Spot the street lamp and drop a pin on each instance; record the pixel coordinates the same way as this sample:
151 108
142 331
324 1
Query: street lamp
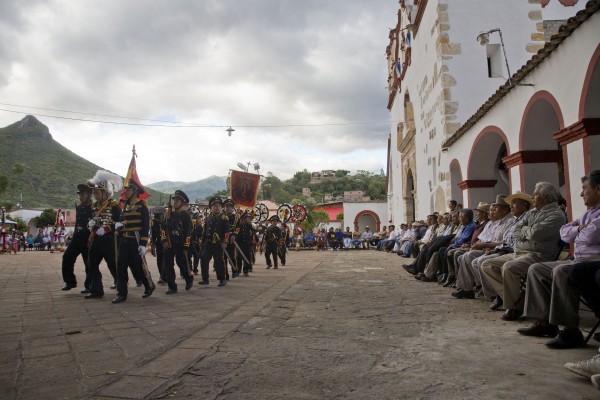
484 38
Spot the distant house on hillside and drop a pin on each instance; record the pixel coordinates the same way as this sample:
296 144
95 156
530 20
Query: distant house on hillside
356 195
319 176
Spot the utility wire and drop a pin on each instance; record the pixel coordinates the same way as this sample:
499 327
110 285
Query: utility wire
169 124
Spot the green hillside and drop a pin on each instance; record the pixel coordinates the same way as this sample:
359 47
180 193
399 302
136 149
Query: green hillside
52 172
197 190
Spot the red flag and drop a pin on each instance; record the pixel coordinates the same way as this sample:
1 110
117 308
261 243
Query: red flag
132 175
244 188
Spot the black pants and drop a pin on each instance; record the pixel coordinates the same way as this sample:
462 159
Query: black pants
214 252
425 256
282 252
77 246
232 261
160 260
271 248
129 257
585 277
103 248
180 256
194 258
241 262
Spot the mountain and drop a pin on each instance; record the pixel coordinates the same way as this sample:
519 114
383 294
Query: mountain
197 190
52 172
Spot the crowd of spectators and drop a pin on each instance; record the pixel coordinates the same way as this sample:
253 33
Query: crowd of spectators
520 253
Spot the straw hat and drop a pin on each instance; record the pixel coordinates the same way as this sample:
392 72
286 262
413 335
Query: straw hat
519 195
483 206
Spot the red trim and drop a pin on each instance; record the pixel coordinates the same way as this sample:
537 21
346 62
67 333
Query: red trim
567 181
368 212
541 95
587 162
531 157
487 130
477 183
588 81
579 130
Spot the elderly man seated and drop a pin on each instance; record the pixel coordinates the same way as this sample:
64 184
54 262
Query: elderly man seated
392 236
536 239
468 280
551 298
366 237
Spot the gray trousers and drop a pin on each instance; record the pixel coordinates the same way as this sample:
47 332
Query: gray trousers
488 290
468 277
453 267
549 295
504 274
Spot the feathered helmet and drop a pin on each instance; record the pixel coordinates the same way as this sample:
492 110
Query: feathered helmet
107 181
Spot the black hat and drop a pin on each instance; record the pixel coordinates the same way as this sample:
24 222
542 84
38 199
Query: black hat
83 188
274 218
230 202
182 196
134 185
247 213
158 211
215 200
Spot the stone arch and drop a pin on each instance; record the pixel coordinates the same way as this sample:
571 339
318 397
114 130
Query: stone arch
540 156
409 197
367 218
455 179
487 176
440 200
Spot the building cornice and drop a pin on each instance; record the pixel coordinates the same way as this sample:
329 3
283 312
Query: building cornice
532 157
579 130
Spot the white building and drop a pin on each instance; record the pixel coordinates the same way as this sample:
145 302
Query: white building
439 77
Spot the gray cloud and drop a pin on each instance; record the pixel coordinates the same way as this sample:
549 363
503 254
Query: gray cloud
228 62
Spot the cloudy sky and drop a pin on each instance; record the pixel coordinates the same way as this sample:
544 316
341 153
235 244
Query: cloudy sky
260 66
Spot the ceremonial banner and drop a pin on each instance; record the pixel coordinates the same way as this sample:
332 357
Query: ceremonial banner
132 174
244 188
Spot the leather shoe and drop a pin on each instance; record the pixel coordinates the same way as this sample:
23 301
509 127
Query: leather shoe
189 284
512 314
409 269
442 278
68 287
567 339
540 330
93 296
119 299
222 283
148 292
419 276
85 291
425 278
449 281
203 283
464 294
497 303
171 291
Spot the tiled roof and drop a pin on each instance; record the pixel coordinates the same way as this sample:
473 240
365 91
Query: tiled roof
564 32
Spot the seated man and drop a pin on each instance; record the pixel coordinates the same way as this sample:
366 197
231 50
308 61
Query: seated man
468 278
536 239
428 235
366 237
356 241
465 235
406 233
379 236
383 243
551 297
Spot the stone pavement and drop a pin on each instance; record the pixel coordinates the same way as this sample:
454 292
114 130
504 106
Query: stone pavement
348 325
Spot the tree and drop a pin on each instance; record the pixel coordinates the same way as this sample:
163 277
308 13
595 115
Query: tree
340 216
46 218
313 218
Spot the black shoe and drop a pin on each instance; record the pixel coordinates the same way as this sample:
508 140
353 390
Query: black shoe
512 314
85 291
442 279
283 264
222 283
189 284
139 284
449 281
497 303
161 281
464 294
540 330
246 274
113 287
119 299
148 292
409 269
567 339
171 291
424 278
93 296
268 266
419 276
203 283
68 287
195 272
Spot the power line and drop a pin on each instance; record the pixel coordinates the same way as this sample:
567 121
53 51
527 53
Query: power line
169 124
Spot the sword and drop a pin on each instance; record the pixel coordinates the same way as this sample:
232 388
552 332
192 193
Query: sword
237 246
144 263
233 267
